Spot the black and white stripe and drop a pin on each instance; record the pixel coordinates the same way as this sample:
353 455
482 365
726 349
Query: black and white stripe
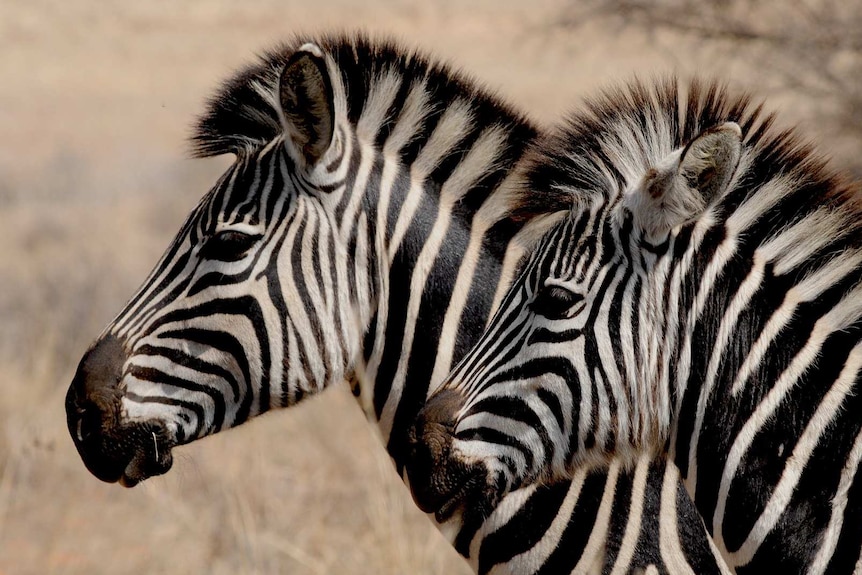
703 299
373 216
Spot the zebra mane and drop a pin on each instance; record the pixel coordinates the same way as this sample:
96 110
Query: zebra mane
242 116
615 138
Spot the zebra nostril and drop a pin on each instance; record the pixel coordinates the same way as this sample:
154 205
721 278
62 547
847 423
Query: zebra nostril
80 430
89 422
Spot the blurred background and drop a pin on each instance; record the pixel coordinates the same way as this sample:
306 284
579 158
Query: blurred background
96 100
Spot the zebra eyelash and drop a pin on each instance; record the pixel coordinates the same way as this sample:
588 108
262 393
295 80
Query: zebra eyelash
228 245
556 301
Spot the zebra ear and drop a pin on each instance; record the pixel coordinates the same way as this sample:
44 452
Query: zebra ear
709 161
306 101
689 181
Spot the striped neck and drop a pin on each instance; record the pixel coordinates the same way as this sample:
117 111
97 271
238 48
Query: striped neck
442 231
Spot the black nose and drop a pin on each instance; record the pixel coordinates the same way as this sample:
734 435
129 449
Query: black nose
93 408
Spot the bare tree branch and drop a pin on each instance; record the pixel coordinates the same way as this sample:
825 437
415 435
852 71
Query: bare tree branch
811 48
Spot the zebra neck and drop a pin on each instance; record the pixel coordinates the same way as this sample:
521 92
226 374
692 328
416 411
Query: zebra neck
445 258
439 182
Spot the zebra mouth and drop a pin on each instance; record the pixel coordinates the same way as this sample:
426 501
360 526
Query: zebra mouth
470 487
125 454
147 461
441 482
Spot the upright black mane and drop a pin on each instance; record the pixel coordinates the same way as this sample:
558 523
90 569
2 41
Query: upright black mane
624 131
242 115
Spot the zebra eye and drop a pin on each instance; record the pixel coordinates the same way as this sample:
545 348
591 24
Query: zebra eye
555 302
228 246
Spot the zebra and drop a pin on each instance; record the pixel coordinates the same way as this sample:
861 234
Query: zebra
372 219
701 301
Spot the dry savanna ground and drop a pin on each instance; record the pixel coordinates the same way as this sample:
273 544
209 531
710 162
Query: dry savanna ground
95 102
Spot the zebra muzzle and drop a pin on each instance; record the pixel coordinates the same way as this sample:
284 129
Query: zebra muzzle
442 482
124 453
112 450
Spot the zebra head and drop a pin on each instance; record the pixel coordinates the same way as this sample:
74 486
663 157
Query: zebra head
556 380
243 311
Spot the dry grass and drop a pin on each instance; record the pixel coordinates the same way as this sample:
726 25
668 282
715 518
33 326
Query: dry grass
94 105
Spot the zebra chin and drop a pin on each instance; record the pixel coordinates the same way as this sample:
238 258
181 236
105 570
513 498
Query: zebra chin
111 449
441 481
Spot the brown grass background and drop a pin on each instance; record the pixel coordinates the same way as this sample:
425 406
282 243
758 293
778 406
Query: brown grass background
96 99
